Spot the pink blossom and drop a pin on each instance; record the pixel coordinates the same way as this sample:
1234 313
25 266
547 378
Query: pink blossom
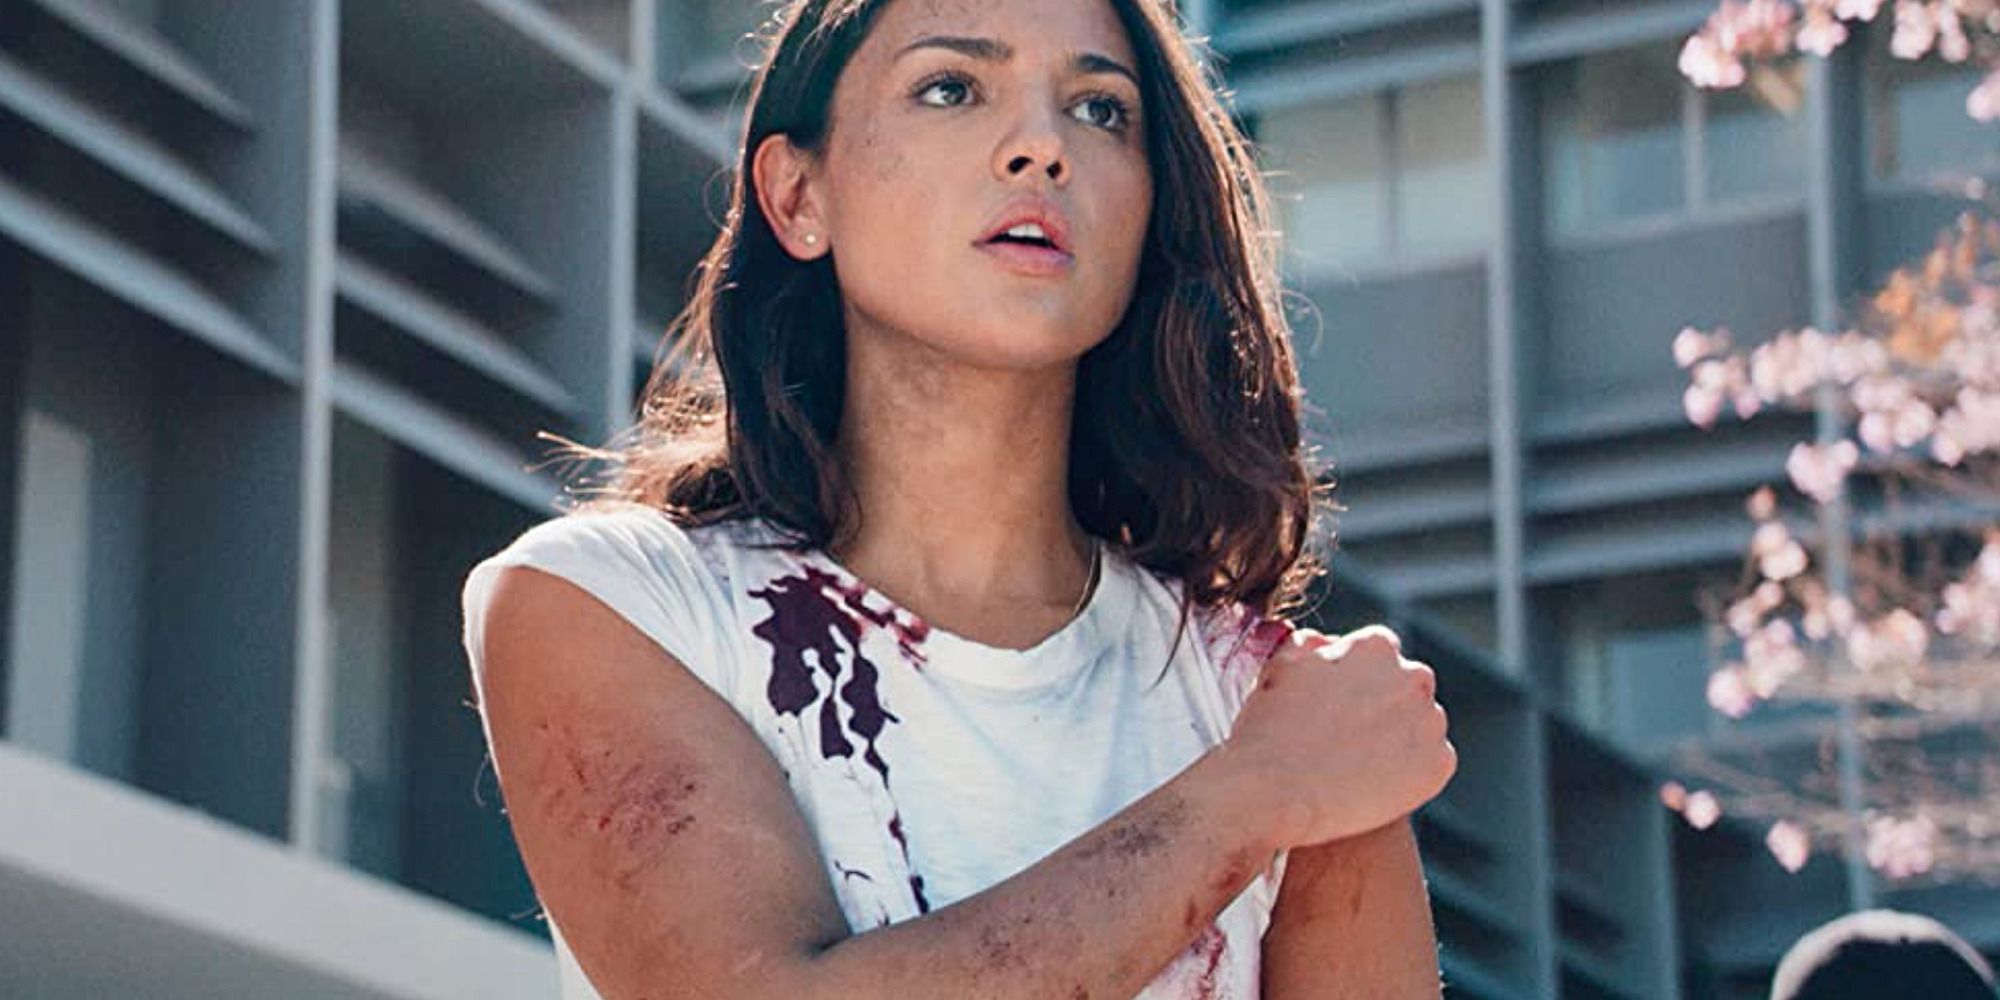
1702 406
1746 401
1892 415
1729 693
1971 426
1769 537
1912 422
1824 617
1916 30
1946 448
1972 604
1776 635
1952 45
1854 354
1901 848
1792 363
1857 10
1983 104
1783 563
1763 504
1674 796
1880 392
1692 345
1702 810
1814 623
1896 639
1715 380
1717 374
1775 369
1821 34
1979 331
1818 471
1756 28
1772 657
1878 432
1745 616
1788 843
1972 612
1706 63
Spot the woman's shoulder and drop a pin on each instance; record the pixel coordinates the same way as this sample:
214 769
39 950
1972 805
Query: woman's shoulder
630 553
641 529
665 578
1233 634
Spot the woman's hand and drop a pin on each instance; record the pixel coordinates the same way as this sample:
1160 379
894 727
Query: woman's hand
1341 736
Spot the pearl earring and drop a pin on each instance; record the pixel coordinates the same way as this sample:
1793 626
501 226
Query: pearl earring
812 239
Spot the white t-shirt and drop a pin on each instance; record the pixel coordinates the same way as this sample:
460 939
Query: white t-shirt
928 766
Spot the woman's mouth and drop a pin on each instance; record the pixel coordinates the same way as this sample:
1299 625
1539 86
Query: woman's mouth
1028 256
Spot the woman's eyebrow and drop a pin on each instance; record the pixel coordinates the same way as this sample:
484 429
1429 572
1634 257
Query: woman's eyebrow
995 50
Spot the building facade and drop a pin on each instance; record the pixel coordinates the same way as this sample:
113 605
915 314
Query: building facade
287 290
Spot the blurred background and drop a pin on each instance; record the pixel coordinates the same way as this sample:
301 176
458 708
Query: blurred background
287 288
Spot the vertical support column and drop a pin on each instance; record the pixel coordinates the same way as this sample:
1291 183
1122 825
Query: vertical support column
623 231
312 691
1538 854
644 31
1834 255
13 412
1505 273
1513 225
1660 903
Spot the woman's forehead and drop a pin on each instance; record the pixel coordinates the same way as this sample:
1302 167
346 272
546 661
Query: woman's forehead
1062 26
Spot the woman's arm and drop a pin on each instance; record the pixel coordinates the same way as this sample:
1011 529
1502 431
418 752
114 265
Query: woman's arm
663 840
1353 920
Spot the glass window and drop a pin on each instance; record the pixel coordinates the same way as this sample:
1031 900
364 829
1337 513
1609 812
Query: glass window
1329 173
1656 682
1920 127
1614 122
1443 194
1754 135
49 647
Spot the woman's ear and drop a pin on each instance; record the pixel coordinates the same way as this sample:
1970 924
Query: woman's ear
782 179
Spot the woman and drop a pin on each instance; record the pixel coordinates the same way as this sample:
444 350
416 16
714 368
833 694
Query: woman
913 653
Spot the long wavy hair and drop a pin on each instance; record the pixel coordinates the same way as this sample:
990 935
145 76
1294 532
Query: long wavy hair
1186 451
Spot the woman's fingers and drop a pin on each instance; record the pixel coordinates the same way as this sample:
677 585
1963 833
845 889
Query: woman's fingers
1426 677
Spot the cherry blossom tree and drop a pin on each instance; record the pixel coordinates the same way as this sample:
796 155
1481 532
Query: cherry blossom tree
1902 643
1747 32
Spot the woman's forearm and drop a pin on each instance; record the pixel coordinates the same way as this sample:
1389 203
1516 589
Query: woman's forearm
1098 918
1353 922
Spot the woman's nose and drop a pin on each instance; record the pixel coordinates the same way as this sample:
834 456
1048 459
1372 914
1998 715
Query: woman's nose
1036 143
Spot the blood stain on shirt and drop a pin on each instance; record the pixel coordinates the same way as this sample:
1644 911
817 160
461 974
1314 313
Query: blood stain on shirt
805 617
1207 949
813 611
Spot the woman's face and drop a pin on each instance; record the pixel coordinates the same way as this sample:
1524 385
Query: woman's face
933 145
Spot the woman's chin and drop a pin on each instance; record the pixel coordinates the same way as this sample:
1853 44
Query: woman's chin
1027 341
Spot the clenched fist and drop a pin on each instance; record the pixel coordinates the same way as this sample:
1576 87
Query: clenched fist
1341 736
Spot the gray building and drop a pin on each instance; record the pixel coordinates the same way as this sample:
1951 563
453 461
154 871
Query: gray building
287 289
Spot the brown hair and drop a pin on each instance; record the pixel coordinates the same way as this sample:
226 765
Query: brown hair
1186 451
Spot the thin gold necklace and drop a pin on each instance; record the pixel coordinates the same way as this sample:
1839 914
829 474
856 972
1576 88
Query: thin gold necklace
1090 585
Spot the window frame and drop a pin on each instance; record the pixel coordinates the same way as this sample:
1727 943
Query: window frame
1395 259
1699 209
1877 117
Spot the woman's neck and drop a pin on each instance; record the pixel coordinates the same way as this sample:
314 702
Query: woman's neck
962 476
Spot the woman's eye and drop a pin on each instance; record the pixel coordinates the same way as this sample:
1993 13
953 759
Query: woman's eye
1117 112
1102 110
948 85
